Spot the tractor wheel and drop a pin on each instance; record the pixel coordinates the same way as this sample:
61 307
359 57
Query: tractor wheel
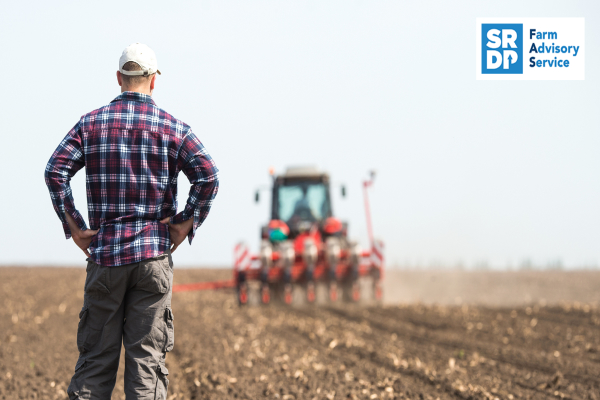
377 291
351 292
355 292
333 292
345 291
287 294
310 292
242 294
265 294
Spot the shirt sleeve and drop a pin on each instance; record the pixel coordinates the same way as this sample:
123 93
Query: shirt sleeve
67 159
202 173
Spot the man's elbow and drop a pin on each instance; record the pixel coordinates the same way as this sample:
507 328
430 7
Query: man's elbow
47 175
51 175
215 182
212 185
208 180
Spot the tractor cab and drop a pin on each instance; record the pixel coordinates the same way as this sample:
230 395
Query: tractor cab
301 199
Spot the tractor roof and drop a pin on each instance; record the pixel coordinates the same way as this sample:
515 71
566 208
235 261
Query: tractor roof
309 171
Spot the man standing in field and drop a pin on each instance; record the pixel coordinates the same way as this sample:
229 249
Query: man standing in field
132 152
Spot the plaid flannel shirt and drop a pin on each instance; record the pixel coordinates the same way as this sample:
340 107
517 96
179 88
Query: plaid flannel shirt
133 152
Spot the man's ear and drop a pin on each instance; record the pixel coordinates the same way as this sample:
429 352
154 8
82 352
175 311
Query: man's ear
152 82
119 78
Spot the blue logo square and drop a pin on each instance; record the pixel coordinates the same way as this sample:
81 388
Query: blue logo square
501 48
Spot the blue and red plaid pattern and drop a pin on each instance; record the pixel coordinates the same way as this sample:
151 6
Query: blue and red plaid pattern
132 152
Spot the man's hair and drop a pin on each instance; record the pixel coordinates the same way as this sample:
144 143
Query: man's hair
136 79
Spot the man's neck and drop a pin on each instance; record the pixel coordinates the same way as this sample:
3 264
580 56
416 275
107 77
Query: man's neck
145 91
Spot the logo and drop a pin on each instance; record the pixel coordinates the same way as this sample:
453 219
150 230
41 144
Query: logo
530 49
501 48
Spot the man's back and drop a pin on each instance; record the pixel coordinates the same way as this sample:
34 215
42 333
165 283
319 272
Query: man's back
133 152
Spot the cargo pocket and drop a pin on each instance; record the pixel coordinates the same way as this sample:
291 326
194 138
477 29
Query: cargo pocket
87 336
170 342
82 330
162 383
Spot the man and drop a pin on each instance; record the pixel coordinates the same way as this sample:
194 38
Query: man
133 152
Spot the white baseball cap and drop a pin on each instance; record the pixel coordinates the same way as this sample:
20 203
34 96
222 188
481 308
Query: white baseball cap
143 56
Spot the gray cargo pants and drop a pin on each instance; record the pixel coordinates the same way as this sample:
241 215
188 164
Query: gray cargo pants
131 303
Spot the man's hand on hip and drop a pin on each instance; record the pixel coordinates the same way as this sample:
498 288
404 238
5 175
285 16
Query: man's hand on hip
178 232
81 238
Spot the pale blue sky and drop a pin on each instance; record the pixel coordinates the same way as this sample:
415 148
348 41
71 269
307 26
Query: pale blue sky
469 171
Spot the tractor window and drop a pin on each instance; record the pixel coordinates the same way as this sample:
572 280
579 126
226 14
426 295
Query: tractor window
303 202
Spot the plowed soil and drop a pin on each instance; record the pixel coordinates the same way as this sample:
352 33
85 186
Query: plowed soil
333 351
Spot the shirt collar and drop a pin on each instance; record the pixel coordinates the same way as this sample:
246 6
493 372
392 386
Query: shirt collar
134 96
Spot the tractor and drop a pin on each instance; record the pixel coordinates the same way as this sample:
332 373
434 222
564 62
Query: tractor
304 244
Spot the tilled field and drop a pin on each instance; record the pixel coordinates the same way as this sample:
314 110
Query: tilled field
324 352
